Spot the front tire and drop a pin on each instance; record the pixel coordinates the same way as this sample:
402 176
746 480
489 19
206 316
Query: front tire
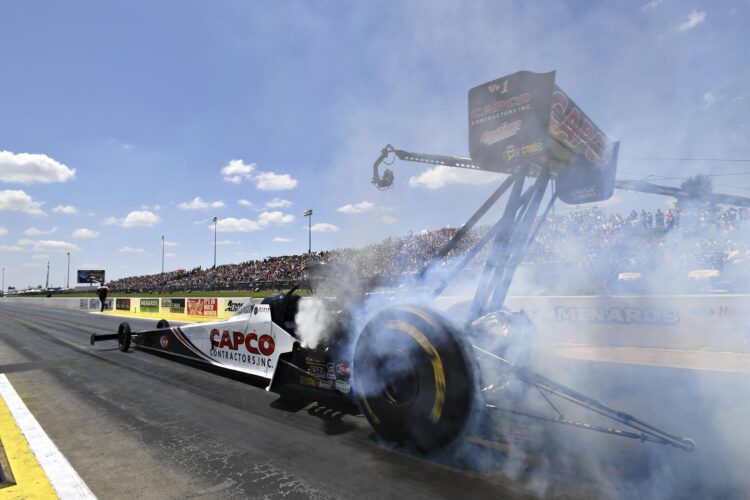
414 379
124 336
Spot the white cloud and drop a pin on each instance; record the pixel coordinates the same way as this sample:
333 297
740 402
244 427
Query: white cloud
232 225
170 254
3 231
651 5
32 231
154 208
237 170
279 239
33 265
279 203
356 208
131 250
40 257
323 227
11 248
275 217
136 218
441 176
389 219
225 242
84 233
691 21
708 100
27 168
270 181
246 203
65 209
199 204
26 242
19 201
55 246
168 243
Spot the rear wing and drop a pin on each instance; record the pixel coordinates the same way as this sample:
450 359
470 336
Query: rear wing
526 119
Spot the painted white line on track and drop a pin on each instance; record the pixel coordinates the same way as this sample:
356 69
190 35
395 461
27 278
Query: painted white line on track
63 477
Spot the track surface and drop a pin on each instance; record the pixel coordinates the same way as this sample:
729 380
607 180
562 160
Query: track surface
141 426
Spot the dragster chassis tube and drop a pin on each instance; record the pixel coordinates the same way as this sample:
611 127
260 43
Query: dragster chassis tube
647 431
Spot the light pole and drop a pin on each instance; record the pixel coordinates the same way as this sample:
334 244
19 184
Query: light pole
67 276
308 214
46 286
2 290
215 220
162 254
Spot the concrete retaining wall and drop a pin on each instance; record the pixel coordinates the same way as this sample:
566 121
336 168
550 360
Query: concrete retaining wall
693 322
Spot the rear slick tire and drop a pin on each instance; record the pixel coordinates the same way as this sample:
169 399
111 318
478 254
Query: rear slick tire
414 378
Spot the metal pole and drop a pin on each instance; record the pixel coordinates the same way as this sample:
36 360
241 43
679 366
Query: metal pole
216 221
67 276
46 286
2 290
162 254
308 213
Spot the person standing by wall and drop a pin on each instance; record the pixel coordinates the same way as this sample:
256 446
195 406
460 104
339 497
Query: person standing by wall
102 292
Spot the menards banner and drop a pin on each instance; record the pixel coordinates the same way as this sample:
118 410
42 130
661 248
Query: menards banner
526 119
150 305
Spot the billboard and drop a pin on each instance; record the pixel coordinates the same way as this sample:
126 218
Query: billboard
150 305
90 276
174 306
526 119
202 307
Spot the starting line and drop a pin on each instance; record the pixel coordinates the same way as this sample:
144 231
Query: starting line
40 470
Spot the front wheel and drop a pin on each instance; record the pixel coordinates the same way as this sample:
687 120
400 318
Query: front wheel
414 378
124 336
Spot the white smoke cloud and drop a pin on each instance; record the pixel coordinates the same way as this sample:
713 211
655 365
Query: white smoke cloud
314 322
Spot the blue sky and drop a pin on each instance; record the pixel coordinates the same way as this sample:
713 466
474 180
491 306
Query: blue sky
125 121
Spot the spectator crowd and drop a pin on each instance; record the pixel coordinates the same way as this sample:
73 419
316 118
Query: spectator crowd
584 238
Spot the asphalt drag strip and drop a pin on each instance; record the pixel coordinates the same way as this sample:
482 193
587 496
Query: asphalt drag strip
139 425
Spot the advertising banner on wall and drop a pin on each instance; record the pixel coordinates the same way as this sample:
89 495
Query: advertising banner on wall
174 306
122 304
202 307
150 305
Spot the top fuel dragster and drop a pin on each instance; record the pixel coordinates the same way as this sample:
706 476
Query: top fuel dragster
418 376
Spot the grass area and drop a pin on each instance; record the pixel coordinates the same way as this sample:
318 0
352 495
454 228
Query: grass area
222 293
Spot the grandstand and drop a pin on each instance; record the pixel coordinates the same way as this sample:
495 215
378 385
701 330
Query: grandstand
582 251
